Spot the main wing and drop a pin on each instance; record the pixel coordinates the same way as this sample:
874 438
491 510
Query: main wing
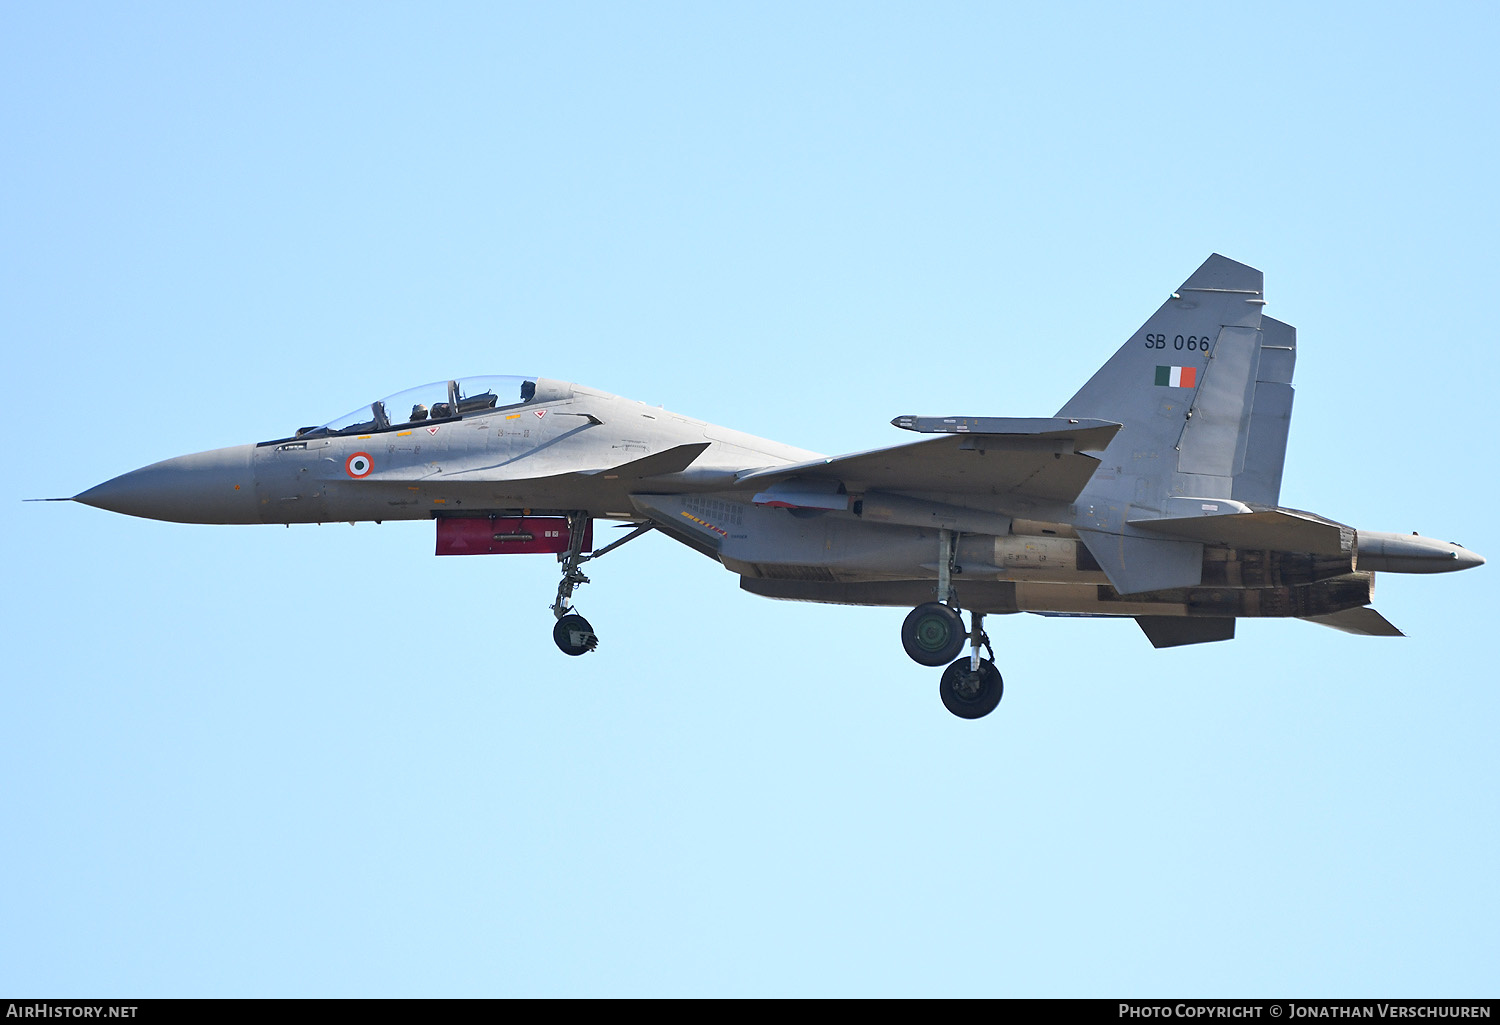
1042 459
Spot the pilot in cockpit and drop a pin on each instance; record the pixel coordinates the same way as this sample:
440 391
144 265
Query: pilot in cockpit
418 413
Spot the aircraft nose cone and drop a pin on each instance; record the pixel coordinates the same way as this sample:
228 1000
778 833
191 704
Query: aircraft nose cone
1465 558
208 487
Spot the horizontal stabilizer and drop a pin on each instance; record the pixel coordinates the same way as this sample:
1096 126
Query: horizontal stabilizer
673 460
1364 621
1280 530
1175 631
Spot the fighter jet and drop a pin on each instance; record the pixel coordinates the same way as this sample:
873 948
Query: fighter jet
1153 493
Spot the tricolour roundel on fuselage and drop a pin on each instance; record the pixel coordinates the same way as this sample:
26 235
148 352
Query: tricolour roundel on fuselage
359 465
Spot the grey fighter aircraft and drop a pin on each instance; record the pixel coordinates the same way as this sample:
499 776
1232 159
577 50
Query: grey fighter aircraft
1153 493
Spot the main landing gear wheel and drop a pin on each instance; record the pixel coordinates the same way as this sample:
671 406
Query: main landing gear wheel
971 693
574 635
933 634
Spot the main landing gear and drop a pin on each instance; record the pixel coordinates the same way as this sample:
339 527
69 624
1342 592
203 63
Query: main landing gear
972 687
573 634
934 633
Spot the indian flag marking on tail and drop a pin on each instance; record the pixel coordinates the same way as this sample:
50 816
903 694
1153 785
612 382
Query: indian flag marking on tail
1177 377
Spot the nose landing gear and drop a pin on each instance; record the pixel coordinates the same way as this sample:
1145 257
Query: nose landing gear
573 634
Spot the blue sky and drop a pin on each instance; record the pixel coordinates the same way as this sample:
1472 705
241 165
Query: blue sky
319 762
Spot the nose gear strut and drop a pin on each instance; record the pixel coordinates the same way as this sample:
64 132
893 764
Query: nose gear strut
572 633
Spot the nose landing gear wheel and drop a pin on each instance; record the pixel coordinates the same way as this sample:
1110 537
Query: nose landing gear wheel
933 634
574 635
971 693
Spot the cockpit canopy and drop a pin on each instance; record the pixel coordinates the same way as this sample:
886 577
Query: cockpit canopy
441 400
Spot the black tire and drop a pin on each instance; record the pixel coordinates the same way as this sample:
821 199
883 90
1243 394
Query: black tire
933 634
574 635
971 694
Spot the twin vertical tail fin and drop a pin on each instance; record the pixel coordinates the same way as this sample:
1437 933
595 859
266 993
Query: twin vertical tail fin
1204 391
